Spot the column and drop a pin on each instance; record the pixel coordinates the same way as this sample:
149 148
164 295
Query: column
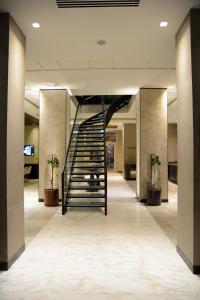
52 132
188 74
151 137
12 70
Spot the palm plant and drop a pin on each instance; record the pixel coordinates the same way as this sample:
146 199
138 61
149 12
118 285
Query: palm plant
51 194
53 163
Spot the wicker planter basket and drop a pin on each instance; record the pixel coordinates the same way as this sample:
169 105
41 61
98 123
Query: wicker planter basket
153 180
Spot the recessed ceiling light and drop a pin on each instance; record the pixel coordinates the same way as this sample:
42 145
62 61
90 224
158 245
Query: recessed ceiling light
101 42
163 24
36 25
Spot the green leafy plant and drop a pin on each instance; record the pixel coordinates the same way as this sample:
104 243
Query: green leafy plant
53 162
154 159
153 178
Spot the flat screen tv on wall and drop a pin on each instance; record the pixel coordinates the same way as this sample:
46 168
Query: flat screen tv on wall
29 150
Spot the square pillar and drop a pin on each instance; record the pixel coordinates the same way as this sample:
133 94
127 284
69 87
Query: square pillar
151 137
188 87
12 71
52 132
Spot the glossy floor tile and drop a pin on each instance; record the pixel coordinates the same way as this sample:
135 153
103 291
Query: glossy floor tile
128 255
35 214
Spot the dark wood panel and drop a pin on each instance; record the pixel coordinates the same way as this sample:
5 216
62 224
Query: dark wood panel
173 172
195 51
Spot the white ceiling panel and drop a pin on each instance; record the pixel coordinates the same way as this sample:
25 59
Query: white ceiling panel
74 63
101 63
131 62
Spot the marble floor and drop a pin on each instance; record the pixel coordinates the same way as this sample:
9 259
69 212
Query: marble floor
36 216
128 255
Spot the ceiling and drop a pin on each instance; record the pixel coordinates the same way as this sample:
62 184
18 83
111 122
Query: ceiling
64 51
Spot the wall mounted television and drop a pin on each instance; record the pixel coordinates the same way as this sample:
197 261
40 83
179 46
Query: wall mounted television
29 150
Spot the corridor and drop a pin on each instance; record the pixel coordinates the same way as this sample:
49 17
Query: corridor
128 255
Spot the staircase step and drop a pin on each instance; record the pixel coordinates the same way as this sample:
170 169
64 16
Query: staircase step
94 119
88 167
89 161
93 124
91 127
88 188
87 173
97 124
88 150
91 131
86 180
85 204
78 196
88 155
82 137
89 141
89 146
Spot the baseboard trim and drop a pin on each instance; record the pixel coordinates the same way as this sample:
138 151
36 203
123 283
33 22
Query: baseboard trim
4 266
42 200
164 200
193 268
141 200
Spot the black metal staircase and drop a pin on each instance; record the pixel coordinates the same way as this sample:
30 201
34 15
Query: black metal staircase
84 178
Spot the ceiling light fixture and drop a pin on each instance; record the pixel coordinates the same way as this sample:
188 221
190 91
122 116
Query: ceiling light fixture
163 24
101 42
36 25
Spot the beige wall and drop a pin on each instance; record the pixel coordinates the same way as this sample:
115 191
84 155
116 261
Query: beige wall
52 132
31 137
172 112
172 142
185 228
12 100
31 109
151 130
15 141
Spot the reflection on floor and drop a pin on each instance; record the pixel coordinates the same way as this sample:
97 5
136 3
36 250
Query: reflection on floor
166 214
35 214
85 255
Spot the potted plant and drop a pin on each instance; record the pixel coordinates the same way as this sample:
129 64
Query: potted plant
51 191
153 180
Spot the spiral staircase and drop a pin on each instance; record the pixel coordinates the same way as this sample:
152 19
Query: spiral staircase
84 178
